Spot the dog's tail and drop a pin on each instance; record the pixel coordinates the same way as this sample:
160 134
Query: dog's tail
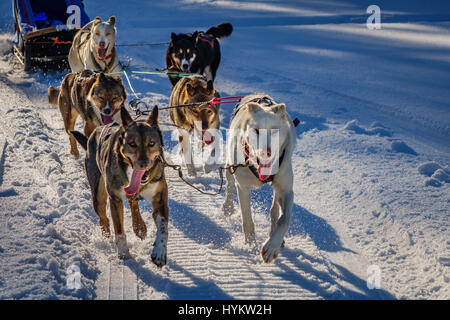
53 95
221 31
81 138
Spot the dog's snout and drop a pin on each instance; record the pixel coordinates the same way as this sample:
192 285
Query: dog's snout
102 44
265 153
185 66
107 110
143 163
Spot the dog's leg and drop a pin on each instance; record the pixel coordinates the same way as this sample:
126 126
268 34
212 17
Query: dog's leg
139 227
207 73
228 204
274 213
70 116
186 151
208 165
99 200
161 218
272 247
116 205
247 222
89 127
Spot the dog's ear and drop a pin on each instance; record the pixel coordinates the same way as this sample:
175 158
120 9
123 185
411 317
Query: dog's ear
101 77
97 20
173 36
195 36
279 109
125 117
210 87
190 89
153 118
253 107
112 20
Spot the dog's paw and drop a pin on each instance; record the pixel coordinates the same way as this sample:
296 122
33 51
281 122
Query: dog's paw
207 168
124 255
270 250
159 254
122 248
228 209
140 230
75 153
191 170
250 240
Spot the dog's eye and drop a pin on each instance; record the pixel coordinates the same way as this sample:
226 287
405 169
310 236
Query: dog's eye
210 112
97 34
151 144
132 144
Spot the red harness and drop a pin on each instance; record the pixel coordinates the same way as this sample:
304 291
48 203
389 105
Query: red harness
210 42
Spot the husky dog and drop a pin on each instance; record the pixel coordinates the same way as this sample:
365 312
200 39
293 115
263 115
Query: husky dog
124 161
96 97
198 52
93 47
202 119
262 135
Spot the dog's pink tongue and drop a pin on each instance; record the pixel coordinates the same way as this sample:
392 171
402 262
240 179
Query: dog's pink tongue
107 119
135 182
207 137
264 170
102 53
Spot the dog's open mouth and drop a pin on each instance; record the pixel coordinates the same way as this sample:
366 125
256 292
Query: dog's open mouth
207 137
264 169
138 177
107 119
101 53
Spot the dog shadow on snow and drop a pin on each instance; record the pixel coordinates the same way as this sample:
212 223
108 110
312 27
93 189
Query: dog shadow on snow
292 267
306 224
200 289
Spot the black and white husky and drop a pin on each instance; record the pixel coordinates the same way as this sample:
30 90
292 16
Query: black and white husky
262 135
198 52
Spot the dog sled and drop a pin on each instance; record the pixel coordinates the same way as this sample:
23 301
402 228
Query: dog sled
44 30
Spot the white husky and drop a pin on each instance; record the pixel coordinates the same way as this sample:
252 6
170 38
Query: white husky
261 134
93 47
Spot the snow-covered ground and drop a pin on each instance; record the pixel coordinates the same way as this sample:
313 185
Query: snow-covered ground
371 165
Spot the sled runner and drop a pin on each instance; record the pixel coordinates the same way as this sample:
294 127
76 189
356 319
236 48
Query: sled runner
41 35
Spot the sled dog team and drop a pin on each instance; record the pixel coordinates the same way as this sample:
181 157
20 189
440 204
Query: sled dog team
124 157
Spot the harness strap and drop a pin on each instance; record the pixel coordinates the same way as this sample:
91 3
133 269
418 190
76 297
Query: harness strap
208 40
